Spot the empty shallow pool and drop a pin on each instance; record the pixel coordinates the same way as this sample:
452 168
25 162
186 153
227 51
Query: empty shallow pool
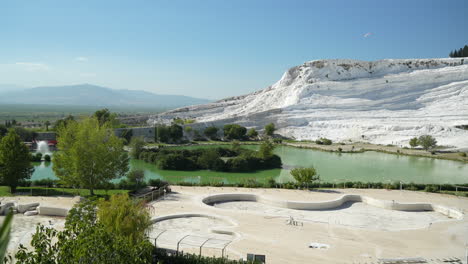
195 229
351 214
23 227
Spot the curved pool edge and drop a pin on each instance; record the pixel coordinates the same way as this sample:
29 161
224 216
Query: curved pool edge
217 229
331 204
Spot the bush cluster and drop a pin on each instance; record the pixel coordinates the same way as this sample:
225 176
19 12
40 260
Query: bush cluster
163 257
323 141
36 157
237 159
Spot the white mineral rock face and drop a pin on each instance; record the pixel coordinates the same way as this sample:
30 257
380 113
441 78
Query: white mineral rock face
384 102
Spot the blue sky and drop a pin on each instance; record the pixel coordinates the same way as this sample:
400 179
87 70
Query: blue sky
211 48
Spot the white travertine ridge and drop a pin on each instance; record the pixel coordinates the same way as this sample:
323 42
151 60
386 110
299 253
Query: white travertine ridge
386 101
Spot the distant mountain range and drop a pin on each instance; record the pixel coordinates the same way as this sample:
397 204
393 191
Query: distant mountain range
92 95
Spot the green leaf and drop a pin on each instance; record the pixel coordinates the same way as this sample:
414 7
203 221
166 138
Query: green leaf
5 234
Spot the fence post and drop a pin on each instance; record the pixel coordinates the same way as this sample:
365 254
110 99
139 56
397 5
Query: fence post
225 246
178 243
156 238
201 246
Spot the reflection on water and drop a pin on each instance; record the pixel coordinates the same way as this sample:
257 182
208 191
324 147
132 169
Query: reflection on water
366 167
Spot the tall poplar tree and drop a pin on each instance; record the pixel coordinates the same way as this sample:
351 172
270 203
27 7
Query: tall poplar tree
15 160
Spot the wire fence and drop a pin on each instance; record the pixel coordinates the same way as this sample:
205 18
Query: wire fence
174 241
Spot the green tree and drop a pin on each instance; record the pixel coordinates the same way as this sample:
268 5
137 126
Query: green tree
86 239
188 131
63 122
234 131
47 158
210 160
15 160
5 236
176 132
427 142
90 155
124 217
211 132
137 145
269 129
414 142
105 116
47 124
252 133
305 176
136 177
25 134
3 131
266 149
161 133
127 134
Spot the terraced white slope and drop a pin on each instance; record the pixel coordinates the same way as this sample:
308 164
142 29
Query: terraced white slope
386 101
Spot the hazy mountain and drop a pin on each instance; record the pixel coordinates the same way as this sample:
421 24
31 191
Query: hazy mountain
385 102
92 95
10 87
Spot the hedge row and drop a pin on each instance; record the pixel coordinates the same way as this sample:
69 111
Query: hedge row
271 183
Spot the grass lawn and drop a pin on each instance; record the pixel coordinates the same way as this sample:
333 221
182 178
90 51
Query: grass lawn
5 191
43 191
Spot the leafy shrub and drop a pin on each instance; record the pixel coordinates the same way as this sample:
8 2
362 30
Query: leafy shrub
463 154
252 133
36 157
305 176
271 183
277 140
411 187
136 178
152 157
211 160
143 155
45 182
47 158
270 129
427 142
163 257
323 141
110 238
414 142
211 132
431 188
176 161
136 144
234 131
156 182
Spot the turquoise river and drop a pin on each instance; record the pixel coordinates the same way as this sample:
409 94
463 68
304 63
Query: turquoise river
332 167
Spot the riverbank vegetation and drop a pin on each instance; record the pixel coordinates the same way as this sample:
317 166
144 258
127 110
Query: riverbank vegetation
234 159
